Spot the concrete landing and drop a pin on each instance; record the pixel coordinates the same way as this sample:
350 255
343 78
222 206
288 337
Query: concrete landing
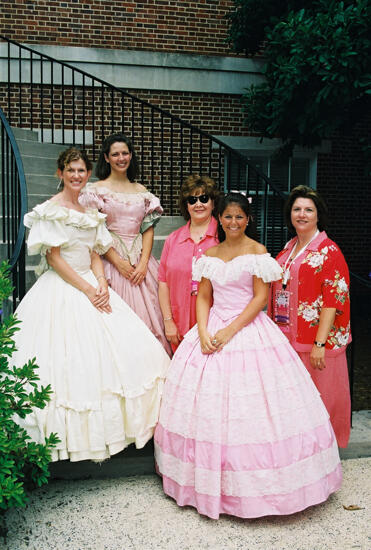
140 462
132 513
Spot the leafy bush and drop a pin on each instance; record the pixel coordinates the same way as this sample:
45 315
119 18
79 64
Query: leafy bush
318 67
23 463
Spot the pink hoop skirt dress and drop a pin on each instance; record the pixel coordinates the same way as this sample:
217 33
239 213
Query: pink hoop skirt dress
243 431
129 215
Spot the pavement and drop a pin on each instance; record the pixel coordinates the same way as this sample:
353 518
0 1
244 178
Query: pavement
110 512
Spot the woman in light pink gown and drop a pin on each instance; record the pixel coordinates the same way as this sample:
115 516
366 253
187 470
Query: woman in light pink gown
132 212
242 428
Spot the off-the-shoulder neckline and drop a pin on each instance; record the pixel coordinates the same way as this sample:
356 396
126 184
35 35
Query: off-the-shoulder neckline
235 258
89 211
55 203
97 188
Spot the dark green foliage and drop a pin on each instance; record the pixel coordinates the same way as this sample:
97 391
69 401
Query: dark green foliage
23 463
318 67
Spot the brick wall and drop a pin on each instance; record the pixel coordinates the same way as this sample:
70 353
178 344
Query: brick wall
197 27
218 114
343 181
341 176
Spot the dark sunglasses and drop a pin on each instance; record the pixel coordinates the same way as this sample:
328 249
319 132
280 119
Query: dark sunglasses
202 198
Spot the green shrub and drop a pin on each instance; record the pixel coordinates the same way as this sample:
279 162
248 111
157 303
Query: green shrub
317 71
23 463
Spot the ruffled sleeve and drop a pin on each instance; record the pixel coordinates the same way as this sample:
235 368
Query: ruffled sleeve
153 211
103 240
47 228
266 268
260 265
89 198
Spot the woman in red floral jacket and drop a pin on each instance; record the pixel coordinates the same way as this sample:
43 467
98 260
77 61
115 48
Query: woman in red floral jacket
311 303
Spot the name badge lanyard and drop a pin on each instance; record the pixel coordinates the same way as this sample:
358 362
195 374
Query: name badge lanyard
290 261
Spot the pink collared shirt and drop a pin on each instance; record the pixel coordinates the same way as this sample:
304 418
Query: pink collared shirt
176 269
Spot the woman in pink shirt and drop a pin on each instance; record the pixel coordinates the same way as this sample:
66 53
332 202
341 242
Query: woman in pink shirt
177 292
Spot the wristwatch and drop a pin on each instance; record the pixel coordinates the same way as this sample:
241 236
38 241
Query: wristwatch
319 344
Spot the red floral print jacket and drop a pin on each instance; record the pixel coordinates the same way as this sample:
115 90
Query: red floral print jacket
319 278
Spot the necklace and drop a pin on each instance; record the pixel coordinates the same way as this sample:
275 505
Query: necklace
199 236
292 258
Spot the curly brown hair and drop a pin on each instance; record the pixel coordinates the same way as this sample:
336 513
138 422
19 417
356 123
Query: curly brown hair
68 156
196 182
71 154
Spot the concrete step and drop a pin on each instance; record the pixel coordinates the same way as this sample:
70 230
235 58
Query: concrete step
23 134
35 199
42 184
30 275
167 224
36 149
138 462
40 164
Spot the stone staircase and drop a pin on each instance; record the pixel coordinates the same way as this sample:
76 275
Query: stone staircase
39 162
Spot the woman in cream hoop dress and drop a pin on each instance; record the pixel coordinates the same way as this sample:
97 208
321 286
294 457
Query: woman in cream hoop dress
105 367
242 428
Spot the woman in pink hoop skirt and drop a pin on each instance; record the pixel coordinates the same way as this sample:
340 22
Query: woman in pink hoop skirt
242 428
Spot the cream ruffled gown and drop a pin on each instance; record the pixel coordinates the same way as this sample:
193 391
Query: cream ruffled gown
106 370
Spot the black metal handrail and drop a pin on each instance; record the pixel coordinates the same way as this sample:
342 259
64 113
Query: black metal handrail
67 105
13 208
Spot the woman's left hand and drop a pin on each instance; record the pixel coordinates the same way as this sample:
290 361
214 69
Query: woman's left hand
222 337
317 358
102 297
140 271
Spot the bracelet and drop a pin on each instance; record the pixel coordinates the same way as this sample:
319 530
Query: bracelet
168 318
100 277
319 344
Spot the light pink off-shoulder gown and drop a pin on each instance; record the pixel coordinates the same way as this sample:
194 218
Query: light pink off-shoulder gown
243 431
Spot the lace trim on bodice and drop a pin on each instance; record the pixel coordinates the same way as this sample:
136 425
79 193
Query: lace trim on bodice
133 253
120 197
260 265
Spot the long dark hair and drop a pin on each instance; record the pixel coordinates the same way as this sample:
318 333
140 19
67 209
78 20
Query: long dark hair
103 169
243 203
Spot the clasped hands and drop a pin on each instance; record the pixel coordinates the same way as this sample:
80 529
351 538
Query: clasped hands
211 344
134 274
99 297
